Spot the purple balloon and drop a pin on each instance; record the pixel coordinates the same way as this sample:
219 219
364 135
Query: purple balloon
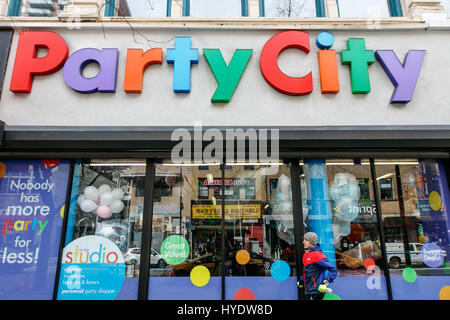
104 81
403 76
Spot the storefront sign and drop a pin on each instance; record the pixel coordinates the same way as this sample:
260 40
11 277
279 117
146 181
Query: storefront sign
32 196
174 249
243 211
92 268
404 75
432 255
166 209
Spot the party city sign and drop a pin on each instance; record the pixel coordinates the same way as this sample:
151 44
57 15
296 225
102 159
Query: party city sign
404 76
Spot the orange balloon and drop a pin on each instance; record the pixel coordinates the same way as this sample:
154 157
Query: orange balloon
2 169
242 257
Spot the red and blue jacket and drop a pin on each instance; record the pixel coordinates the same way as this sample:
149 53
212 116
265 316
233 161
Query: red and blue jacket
315 264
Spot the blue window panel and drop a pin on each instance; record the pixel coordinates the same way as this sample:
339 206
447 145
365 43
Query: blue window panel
181 288
264 288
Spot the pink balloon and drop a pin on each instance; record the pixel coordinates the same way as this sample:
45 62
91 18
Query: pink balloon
104 212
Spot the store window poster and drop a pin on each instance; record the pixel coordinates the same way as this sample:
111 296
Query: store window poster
32 198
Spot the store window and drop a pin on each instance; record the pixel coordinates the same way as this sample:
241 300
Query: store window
289 8
363 9
339 206
140 8
36 8
32 197
186 233
216 8
101 256
416 222
260 244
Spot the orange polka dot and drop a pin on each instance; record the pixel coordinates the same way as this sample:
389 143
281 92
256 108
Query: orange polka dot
2 169
444 294
242 257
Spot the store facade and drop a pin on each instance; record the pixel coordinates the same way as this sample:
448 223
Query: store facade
352 144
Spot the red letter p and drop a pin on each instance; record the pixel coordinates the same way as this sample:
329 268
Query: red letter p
27 64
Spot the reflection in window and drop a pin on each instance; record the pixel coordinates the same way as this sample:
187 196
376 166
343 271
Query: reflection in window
215 8
259 220
363 9
41 8
340 209
143 8
109 202
182 206
290 8
416 226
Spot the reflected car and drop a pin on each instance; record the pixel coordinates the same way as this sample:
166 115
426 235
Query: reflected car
183 269
133 256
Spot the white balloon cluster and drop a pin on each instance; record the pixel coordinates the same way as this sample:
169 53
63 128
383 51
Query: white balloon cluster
103 200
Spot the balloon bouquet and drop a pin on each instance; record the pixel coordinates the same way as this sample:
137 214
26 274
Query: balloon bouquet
103 200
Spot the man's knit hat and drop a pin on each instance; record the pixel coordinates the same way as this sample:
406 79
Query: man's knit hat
312 238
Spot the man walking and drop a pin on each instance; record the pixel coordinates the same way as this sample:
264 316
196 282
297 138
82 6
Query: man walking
314 266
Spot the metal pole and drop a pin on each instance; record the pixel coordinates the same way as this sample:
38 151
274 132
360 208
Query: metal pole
146 239
299 231
380 227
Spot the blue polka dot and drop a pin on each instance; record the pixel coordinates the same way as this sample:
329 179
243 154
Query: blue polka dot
280 270
325 40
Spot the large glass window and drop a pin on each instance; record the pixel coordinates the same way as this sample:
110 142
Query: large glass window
340 209
260 244
101 257
416 223
290 8
215 8
363 9
36 8
32 197
186 233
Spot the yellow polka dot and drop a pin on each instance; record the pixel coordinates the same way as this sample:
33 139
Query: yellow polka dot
61 212
200 276
444 294
242 257
435 200
2 169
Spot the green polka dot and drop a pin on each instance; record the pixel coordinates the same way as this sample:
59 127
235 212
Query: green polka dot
331 296
446 267
409 275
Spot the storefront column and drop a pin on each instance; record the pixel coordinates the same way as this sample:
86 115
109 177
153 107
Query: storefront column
299 230
3 7
253 8
376 194
331 9
147 228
